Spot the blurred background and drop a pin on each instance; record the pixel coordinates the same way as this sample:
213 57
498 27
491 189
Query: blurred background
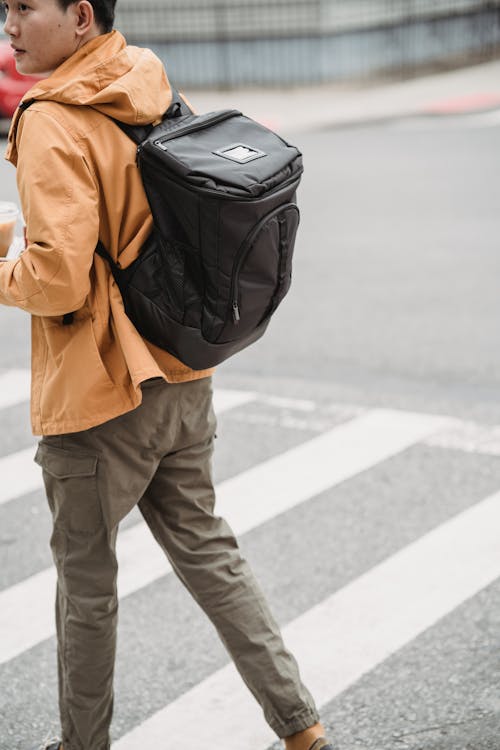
228 43
393 315
224 44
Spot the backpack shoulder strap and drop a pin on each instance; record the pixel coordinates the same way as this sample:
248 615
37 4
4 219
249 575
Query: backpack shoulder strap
24 105
101 250
139 133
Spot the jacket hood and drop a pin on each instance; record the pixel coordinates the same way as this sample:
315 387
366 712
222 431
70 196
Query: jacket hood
125 82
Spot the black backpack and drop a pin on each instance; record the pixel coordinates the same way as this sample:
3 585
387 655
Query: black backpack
221 188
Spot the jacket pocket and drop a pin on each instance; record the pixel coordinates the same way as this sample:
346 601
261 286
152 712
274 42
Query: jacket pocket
71 485
76 345
76 383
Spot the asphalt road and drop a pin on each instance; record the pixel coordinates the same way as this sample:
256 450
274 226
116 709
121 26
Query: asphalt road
395 292
392 316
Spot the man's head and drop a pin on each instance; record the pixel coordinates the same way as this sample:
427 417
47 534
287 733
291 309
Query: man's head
45 33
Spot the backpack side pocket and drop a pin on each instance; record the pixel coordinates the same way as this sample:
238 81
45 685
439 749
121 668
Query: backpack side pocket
261 272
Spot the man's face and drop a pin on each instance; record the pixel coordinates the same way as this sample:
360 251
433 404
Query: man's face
41 33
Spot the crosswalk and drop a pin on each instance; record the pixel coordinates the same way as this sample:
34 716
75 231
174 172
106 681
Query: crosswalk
343 635
354 630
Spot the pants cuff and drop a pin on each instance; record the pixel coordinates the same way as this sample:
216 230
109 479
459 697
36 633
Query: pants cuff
300 721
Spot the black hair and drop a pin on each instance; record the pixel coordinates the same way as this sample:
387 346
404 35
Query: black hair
104 12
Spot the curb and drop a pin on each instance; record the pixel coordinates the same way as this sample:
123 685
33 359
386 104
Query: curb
430 113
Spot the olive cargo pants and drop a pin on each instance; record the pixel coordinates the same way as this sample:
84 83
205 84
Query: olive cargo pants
159 457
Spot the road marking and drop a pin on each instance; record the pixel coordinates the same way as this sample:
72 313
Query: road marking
468 437
296 404
20 475
289 479
225 399
283 481
345 636
286 421
463 435
14 387
19 628
321 463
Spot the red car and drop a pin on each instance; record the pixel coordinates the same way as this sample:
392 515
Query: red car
13 85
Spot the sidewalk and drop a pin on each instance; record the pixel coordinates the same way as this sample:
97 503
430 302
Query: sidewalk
471 89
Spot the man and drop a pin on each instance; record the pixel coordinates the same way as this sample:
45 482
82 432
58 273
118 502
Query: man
121 422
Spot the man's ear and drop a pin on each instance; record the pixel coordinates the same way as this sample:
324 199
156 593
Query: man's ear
84 17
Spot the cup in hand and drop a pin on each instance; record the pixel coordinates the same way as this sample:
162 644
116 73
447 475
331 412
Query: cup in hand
8 217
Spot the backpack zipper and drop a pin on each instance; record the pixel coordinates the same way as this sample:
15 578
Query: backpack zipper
216 117
190 127
226 196
243 252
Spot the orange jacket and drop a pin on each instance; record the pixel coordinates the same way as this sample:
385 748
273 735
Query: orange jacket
78 181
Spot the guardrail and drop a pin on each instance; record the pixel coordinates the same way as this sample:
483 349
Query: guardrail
273 42
215 20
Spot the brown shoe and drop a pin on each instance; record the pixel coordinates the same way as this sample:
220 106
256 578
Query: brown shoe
321 743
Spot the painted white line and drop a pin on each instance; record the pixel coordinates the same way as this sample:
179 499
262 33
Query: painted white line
14 387
247 500
279 484
295 404
226 399
27 613
297 421
19 475
469 437
345 636
320 463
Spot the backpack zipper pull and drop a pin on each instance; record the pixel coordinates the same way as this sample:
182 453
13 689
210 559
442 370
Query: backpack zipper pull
236 312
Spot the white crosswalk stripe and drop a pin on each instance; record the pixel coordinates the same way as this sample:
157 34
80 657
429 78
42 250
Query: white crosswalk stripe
355 628
288 479
14 387
21 475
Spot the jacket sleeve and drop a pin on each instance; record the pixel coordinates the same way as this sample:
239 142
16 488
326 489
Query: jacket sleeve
60 203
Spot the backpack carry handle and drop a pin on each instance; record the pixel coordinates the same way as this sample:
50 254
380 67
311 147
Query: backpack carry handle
178 106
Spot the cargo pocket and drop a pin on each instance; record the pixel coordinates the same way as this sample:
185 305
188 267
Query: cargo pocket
71 485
